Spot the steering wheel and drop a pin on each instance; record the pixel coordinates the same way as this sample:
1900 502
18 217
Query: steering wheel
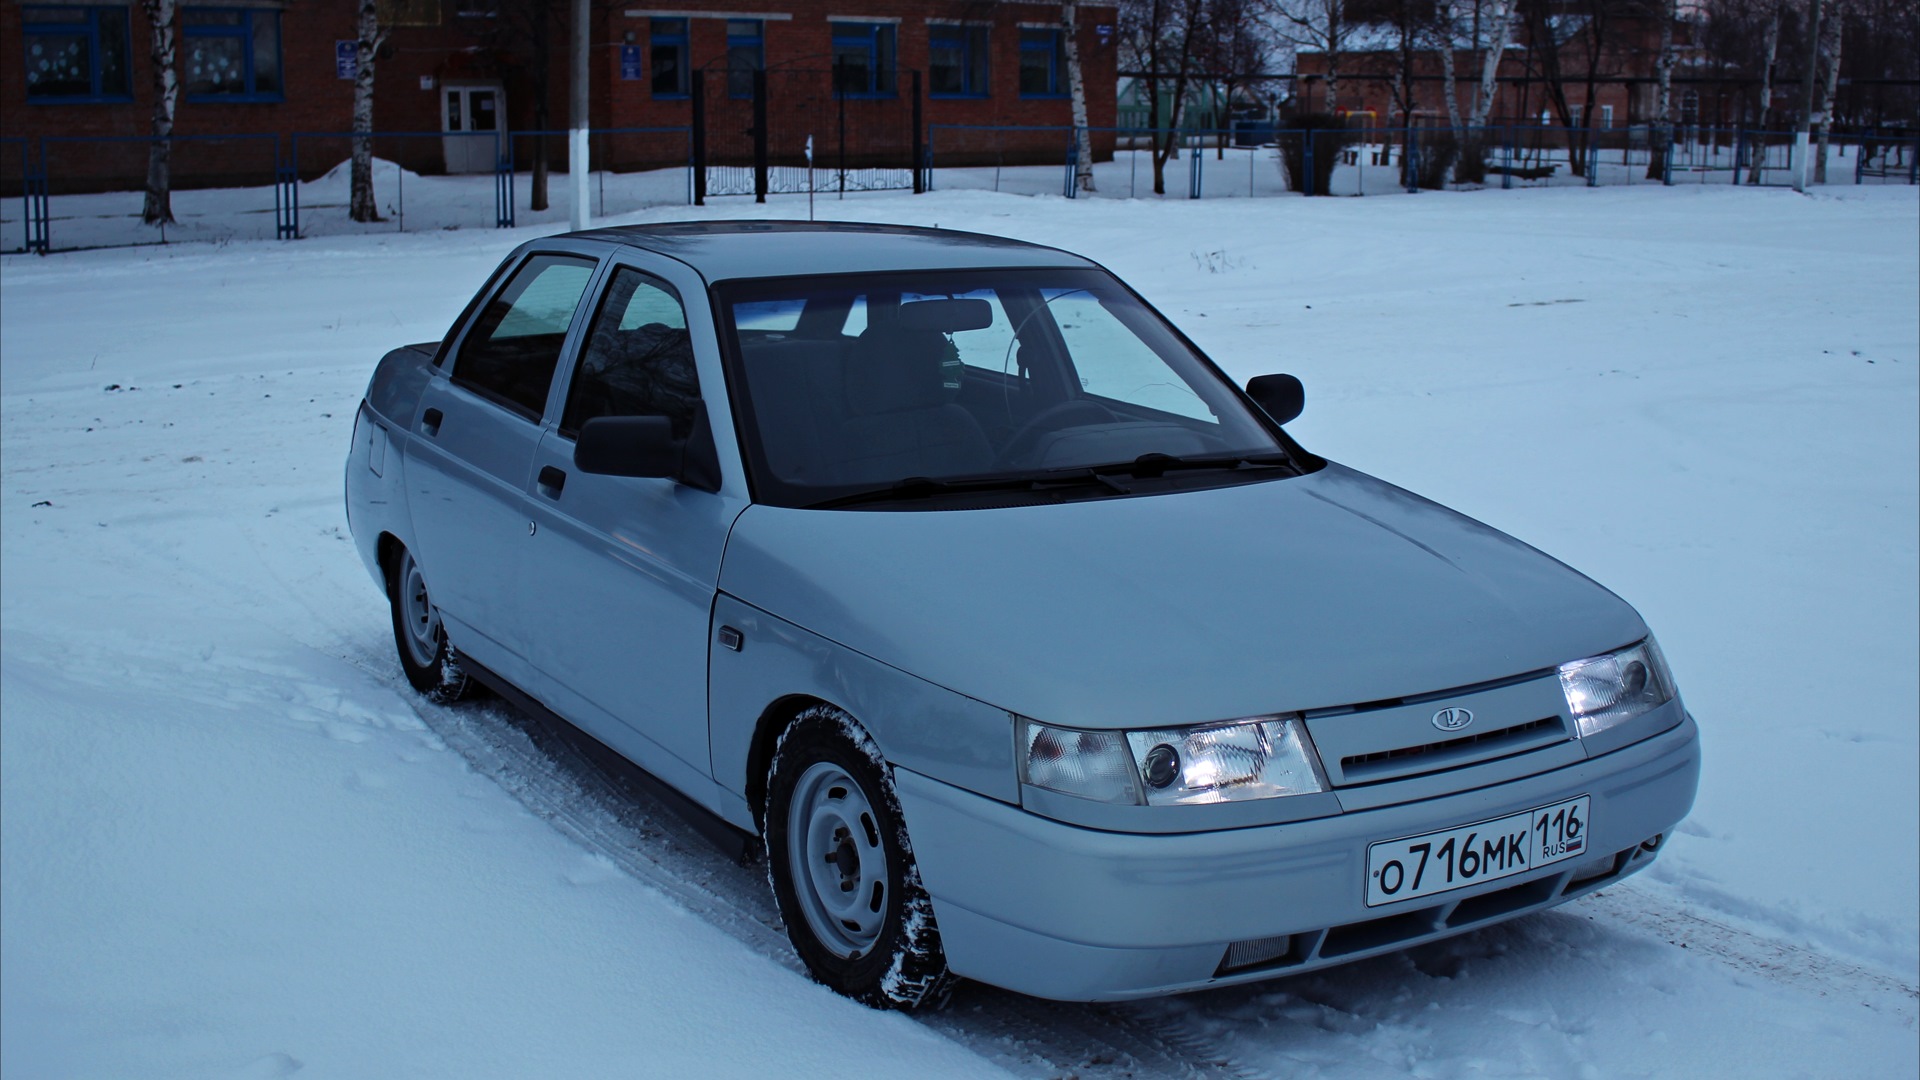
1064 414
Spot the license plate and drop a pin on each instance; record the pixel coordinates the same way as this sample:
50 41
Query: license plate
1440 862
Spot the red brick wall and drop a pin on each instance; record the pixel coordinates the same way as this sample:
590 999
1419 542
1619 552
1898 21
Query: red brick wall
316 100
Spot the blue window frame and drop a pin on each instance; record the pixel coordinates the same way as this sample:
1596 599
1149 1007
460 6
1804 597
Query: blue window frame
746 54
75 54
957 61
230 54
667 48
1043 62
863 57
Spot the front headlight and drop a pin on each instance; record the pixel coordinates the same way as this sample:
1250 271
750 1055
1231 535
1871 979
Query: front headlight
1263 757
1605 691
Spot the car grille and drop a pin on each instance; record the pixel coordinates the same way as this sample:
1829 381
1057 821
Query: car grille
1403 738
1355 765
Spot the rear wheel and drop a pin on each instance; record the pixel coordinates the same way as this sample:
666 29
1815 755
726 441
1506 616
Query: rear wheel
842 867
425 655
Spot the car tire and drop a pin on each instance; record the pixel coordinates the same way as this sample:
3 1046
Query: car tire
842 867
426 656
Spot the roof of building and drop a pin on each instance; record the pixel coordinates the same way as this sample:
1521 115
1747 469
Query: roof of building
721 250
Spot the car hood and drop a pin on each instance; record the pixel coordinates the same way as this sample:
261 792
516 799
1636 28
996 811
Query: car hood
1323 590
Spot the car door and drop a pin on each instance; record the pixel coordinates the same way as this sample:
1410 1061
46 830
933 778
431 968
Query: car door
624 570
473 446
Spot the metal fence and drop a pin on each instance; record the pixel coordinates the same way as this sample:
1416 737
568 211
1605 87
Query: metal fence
71 192
1248 162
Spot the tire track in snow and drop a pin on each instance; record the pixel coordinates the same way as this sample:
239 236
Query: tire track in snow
587 794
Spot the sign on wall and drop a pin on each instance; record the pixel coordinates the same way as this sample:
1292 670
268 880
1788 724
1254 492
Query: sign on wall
629 62
346 59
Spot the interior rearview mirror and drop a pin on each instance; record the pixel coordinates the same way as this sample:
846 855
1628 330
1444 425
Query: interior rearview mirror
949 316
1281 396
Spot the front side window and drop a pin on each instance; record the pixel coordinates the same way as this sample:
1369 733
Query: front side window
746 54
510 354
637 360
668 51
1042 62
230 54
1012 380
75 53
863 59
957 60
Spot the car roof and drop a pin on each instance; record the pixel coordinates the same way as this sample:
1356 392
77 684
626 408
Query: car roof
720 250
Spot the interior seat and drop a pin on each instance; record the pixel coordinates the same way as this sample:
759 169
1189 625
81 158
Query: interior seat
903 421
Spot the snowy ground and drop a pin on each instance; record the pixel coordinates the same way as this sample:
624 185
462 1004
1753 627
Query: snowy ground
233 844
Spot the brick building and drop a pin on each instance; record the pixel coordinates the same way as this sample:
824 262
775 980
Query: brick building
255 72
1623 61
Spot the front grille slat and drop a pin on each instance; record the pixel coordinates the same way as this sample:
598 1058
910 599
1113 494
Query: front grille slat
1516 733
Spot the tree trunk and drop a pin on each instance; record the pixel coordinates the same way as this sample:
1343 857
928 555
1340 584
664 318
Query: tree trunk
166 90
542 113
1449 88
1077 86
1663 104
1771 47
1490 66
1336 34
1830 38
371 36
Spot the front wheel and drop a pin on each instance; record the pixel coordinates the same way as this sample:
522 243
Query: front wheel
425 656
842 867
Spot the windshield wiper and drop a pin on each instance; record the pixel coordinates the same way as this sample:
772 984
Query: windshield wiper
921 487
1147 466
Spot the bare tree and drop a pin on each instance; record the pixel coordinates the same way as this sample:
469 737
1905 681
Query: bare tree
1159 38
372 34
1077 86
1231 49
521 32
1770 50
1498 19
1668 12
163 20
1320 26
1831 34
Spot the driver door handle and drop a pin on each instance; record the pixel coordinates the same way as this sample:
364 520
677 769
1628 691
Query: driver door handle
551 481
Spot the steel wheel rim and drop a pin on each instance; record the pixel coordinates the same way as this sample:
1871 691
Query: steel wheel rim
421 618
839 860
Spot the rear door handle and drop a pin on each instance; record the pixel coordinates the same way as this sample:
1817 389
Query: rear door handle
551 481
430 421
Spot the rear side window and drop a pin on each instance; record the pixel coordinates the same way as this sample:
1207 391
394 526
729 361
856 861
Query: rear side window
511 352
637 360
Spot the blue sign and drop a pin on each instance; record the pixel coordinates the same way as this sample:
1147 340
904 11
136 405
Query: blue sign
629 62
346 59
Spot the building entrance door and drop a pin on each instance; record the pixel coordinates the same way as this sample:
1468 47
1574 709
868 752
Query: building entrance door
470 115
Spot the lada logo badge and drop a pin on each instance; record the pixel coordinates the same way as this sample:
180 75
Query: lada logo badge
1452 719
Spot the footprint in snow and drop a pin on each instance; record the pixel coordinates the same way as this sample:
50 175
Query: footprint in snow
271 1067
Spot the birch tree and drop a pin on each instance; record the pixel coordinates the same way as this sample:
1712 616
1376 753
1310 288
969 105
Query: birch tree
1501 18
1770 52
1077 86
1830 40
163 20
1669 13
371 35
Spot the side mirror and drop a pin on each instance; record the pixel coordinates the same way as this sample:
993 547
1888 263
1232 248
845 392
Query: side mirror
1281 396
645 446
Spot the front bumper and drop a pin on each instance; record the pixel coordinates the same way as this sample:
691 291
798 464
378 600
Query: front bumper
1058 911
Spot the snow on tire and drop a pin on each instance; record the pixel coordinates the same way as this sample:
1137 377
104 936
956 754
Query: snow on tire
426 656
842 870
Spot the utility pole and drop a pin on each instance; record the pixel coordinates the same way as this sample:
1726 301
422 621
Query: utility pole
577 162
1802 139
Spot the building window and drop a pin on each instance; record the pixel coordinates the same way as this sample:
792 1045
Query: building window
746 54
76 53
1042 62
669 56
410 12
956 60
230 54
863 59
477 9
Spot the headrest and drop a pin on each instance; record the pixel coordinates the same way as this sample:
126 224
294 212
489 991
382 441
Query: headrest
896 369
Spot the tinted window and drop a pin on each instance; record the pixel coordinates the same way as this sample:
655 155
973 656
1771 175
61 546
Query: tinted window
637 360
511 352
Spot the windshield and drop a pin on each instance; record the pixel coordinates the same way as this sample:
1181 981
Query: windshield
861 383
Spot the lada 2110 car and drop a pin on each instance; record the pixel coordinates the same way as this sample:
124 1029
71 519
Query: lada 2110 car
1032 649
